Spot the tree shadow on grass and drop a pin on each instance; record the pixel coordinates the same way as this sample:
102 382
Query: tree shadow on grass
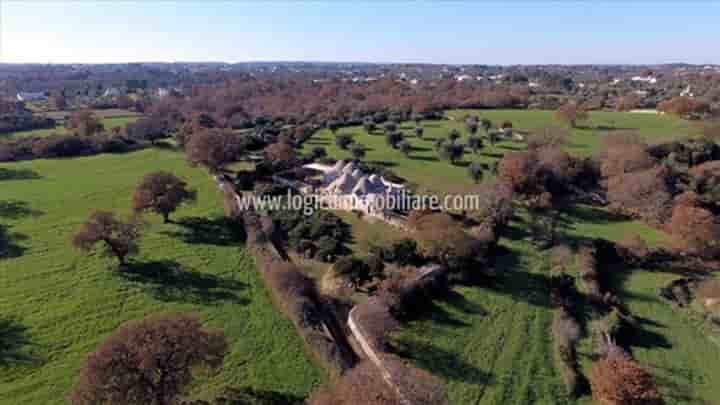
168 281
243 396
9 247
220 231
442 363
384 163
18 174
15 345
425 158
14 209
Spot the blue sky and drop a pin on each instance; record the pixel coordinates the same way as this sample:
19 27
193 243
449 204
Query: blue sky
511 32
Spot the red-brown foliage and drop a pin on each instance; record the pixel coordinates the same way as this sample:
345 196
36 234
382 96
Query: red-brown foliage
645 194
627 102
161 192
619 380
683 106
85 123
571 113
213 148
694 229
376 322
119 238
148 361
623 153
443 239
280 152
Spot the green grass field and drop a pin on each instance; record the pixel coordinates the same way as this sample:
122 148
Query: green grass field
424 169
56 303
109 123
492 344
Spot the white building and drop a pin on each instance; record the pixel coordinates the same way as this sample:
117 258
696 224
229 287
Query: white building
31 96
645 79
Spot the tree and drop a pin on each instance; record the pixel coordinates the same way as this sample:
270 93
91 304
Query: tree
571 113
213 149
150 361
280 152
358 151
475 143
161 192
418 119
405 148
369 126
333 126
85 123
353 269
343 141
119 238
618 379
549 136
390 127
443 239
318 152
627 102
694 229
451 152
475 171
150 129
419 132
486 124
439 142
393 139
683 106
493 137
454 135
472 127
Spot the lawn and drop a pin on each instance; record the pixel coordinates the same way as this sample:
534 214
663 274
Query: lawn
109 123
56 303
492 344
424 169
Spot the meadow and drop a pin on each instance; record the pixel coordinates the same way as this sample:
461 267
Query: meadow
56 303
425 170
492 343
109 122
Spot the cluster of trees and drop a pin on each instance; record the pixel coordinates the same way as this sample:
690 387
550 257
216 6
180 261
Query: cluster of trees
322 235
244 101
683 106
58 146
160 192
15 117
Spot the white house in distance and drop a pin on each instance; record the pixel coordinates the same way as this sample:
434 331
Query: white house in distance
31 96
645 79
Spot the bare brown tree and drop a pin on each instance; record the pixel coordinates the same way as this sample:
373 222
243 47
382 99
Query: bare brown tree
161 192
149 361
118 237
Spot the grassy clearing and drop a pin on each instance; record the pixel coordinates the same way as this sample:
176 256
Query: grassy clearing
109 124
56 304
583 141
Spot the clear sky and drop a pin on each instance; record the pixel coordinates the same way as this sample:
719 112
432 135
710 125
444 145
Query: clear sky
510 32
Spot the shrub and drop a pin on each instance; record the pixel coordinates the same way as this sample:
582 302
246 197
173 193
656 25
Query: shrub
393 139
353 269
617 379
343 141
475 171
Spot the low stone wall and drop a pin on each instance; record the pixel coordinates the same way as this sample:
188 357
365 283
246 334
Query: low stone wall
319 328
